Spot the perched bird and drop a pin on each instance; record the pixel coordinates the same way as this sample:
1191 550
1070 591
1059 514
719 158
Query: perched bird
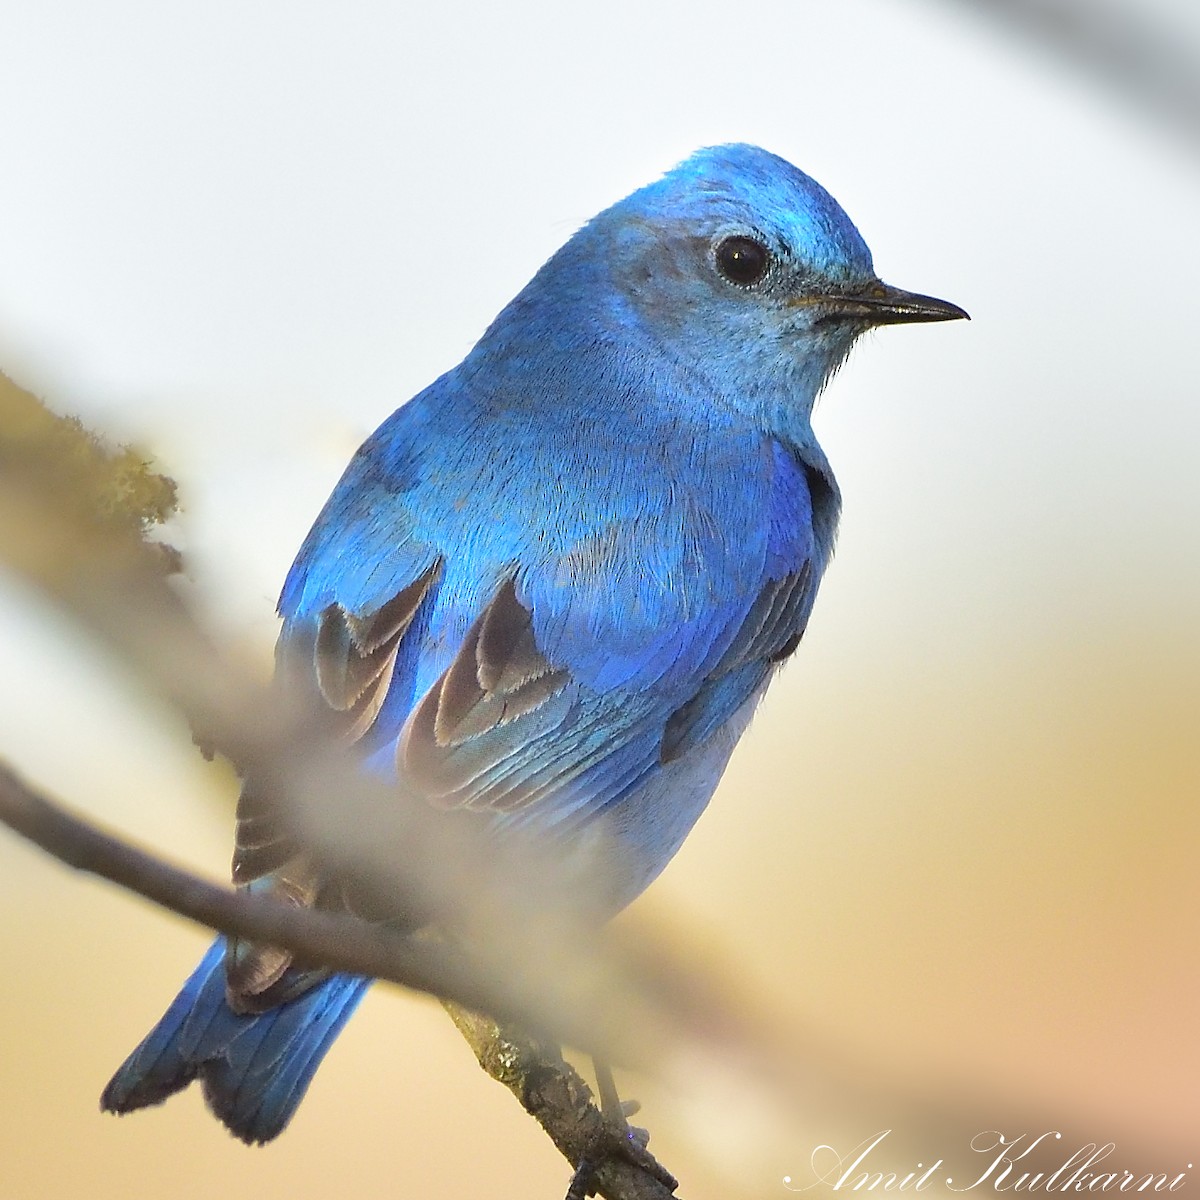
552 588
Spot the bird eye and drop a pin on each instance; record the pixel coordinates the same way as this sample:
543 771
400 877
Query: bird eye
742 260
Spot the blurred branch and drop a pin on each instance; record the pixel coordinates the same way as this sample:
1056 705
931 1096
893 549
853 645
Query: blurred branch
1121 44
344 943
547 1087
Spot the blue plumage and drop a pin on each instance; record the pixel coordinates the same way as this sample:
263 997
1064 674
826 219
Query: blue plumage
255 1069
553 586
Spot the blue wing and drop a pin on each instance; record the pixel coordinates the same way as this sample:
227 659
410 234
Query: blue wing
535 636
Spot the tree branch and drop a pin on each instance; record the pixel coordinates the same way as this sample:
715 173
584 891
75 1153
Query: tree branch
547 1087
556 1096
344 943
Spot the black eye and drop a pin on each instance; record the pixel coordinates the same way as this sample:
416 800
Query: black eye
742 260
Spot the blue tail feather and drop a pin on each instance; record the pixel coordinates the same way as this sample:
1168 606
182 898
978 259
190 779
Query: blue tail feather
255 1067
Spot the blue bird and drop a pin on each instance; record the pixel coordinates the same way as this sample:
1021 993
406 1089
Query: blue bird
552 588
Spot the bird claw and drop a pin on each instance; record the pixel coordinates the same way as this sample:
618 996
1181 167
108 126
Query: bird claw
631 1143
580 1186
618 1140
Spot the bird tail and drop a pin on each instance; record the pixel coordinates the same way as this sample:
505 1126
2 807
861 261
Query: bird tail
255 1067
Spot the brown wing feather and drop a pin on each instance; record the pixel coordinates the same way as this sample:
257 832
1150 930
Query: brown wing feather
456 733
259 977
772 630
352 652
353 659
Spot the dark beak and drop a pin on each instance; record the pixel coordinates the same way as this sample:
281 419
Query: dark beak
881 304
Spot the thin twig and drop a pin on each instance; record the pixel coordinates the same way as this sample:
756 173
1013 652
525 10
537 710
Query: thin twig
342 942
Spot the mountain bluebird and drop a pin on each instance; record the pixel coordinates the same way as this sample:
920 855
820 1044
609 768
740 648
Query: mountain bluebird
552 588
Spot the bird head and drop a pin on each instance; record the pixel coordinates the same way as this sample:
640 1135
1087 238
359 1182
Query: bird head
740 263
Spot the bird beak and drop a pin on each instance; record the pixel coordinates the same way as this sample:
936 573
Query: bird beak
881 304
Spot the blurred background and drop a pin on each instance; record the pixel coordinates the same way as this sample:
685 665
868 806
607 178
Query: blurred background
959 841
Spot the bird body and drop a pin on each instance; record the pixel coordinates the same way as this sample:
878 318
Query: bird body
637 595
551 589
